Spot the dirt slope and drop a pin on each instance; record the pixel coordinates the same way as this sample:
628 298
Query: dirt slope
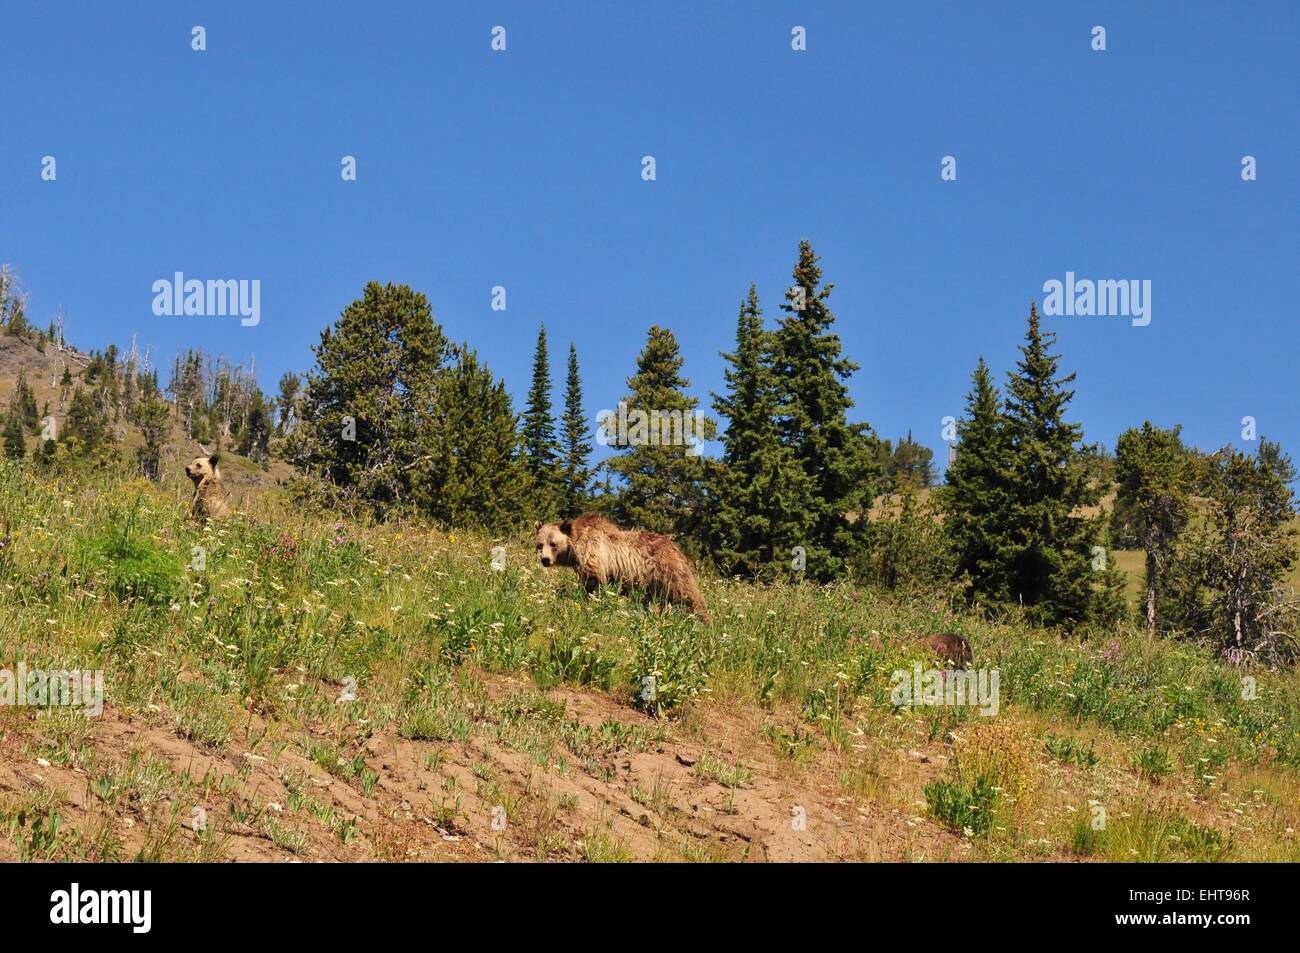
649 803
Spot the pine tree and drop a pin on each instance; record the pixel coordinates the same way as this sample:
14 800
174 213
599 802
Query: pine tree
255 429
911 464
17 324
910 548
814 401
659 435
976 493
576 468
1153 498
472 474
153 417
1226 582
541 449
370 395
14 442
1049 544
85 425
287 401
754 524
24 404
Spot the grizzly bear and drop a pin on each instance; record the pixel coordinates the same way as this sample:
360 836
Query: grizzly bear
948 647
210 501
601 553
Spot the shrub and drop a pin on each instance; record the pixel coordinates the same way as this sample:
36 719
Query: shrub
137 569
577 661
962 808
670 668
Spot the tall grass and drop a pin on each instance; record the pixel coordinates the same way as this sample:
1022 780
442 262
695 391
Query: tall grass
280 613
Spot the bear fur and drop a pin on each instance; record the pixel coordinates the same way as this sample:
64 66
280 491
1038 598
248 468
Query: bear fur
602 553
950 648
210 500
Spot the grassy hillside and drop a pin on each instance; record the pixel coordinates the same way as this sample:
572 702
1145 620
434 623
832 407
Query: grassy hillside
44 364
321 689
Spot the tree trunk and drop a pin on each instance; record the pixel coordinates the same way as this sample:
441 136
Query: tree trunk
1152 572
1151 591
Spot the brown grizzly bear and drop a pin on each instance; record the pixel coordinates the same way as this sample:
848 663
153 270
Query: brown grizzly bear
601 553
210 501
948 647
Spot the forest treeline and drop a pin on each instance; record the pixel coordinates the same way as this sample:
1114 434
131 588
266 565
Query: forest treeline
395 419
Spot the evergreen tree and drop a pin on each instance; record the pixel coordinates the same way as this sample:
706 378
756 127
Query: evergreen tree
188 393
255 429
910 548
814 401
24 404
130 391
153 417
1153 498
976 494
287 401
472 473
1226 582
659 436
911 464
370 396
754 525
85 424
17 323
576 468
541 449
14 442
1049 543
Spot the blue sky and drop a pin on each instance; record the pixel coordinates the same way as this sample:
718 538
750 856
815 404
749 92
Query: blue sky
523 169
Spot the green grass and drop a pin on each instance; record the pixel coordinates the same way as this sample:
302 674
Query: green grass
964 809
290 606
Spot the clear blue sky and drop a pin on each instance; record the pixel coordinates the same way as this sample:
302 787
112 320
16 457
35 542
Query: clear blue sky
523 169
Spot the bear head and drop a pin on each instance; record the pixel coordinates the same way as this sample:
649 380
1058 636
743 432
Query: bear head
200 468
555 543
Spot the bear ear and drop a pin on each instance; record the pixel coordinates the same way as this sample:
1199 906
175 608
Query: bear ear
214 459
566 527
537 526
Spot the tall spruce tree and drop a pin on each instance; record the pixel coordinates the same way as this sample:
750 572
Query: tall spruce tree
659 455
370 395
1049 542
541 449
976 494
754 524
576 468
836 456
